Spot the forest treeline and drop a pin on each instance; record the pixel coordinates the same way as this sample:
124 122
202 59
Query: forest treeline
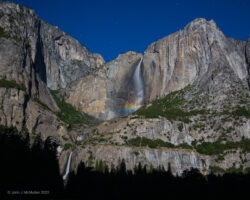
26 168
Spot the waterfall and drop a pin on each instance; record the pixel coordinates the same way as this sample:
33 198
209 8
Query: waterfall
67 167
138 83
137 92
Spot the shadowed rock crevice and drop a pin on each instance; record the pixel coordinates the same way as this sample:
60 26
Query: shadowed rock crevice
247 55
39 58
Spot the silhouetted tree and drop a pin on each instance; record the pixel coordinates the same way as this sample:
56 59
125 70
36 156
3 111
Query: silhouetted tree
27 169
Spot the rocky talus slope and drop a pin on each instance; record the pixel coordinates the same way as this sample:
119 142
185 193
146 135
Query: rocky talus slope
195 87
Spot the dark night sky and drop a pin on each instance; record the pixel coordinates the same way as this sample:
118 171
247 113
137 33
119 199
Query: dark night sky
111 27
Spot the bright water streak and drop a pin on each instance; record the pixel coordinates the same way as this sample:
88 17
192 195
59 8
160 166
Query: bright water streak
68 167
138 82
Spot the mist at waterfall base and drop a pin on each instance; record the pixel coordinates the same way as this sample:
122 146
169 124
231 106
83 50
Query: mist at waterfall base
27 171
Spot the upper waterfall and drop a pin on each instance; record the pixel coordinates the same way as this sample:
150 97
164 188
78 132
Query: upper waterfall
138 83
136 100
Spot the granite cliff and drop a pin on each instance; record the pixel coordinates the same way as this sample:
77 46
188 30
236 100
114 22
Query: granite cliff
196 99
183 102
105 92
34 58
170 64
61 58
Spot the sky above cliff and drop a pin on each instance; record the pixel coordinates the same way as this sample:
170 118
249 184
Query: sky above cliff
111 27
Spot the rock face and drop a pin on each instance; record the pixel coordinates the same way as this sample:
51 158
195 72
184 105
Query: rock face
65 59
170 64
23 82
11 112
185 56
104 94
178 160
247 53
61 59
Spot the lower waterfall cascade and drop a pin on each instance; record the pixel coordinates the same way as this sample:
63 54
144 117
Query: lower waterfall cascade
67 167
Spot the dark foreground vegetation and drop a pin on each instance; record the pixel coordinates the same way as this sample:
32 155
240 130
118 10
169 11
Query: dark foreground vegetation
32 172
25 168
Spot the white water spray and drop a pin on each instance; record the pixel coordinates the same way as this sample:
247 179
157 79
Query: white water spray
67 167
139 90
